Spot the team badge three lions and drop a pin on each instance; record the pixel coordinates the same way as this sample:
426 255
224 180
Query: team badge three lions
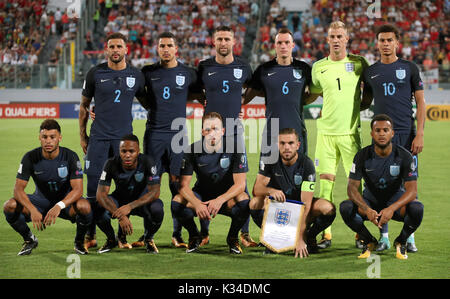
131 81
282 217
237 73
180 80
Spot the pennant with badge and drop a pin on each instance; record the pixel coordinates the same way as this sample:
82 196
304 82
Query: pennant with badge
281 225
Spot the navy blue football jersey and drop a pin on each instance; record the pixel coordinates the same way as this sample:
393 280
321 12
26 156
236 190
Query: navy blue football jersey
130 184
383 176
167 90
284 87
113 93
393 86
223 84
51 177
292 180
214 170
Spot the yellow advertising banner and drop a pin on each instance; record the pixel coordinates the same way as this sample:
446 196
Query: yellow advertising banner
438 112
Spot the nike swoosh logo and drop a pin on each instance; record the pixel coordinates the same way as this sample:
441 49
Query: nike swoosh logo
153 79
210 74
38 172
270 74
374 76
202 165
104 80
369 170
323 71
277 174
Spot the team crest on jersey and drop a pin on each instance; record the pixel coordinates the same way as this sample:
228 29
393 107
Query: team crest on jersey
350 67
297 74
298 179
153 170
225 162
180 80
394 170
282 217
62 171
139 176
401 74
131 81
237 73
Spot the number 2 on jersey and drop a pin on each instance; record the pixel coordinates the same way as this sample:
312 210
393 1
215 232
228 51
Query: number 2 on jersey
117 92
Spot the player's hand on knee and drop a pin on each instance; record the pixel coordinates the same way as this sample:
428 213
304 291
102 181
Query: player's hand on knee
202 211
51 216
372 215
36 219
124 210
385 215
126 225
214 207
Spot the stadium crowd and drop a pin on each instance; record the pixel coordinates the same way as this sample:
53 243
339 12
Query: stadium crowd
25 28
192 21
424 29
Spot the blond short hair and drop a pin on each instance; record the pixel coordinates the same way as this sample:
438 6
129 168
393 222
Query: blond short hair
338 25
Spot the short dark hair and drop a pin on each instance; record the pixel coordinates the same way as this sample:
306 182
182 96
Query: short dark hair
117 35
211 115
50 124
381 117
289 131
167 34
223 28
388 28
284 30
130 137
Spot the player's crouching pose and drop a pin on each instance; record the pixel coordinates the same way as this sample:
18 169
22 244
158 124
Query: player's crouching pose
293 177
220 186
137 193
57 174
385 167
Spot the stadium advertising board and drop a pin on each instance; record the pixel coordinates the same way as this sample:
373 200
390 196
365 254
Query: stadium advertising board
193 111
438 112
40 110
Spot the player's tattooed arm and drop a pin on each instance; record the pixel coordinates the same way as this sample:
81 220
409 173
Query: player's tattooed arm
83 117
104 200
151 195
355 196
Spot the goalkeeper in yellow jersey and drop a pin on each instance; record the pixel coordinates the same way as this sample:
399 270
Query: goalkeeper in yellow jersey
338 78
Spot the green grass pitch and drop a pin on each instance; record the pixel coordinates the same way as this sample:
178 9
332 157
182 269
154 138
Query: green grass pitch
51 259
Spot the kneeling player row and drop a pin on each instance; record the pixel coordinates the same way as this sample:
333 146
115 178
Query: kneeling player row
387 169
